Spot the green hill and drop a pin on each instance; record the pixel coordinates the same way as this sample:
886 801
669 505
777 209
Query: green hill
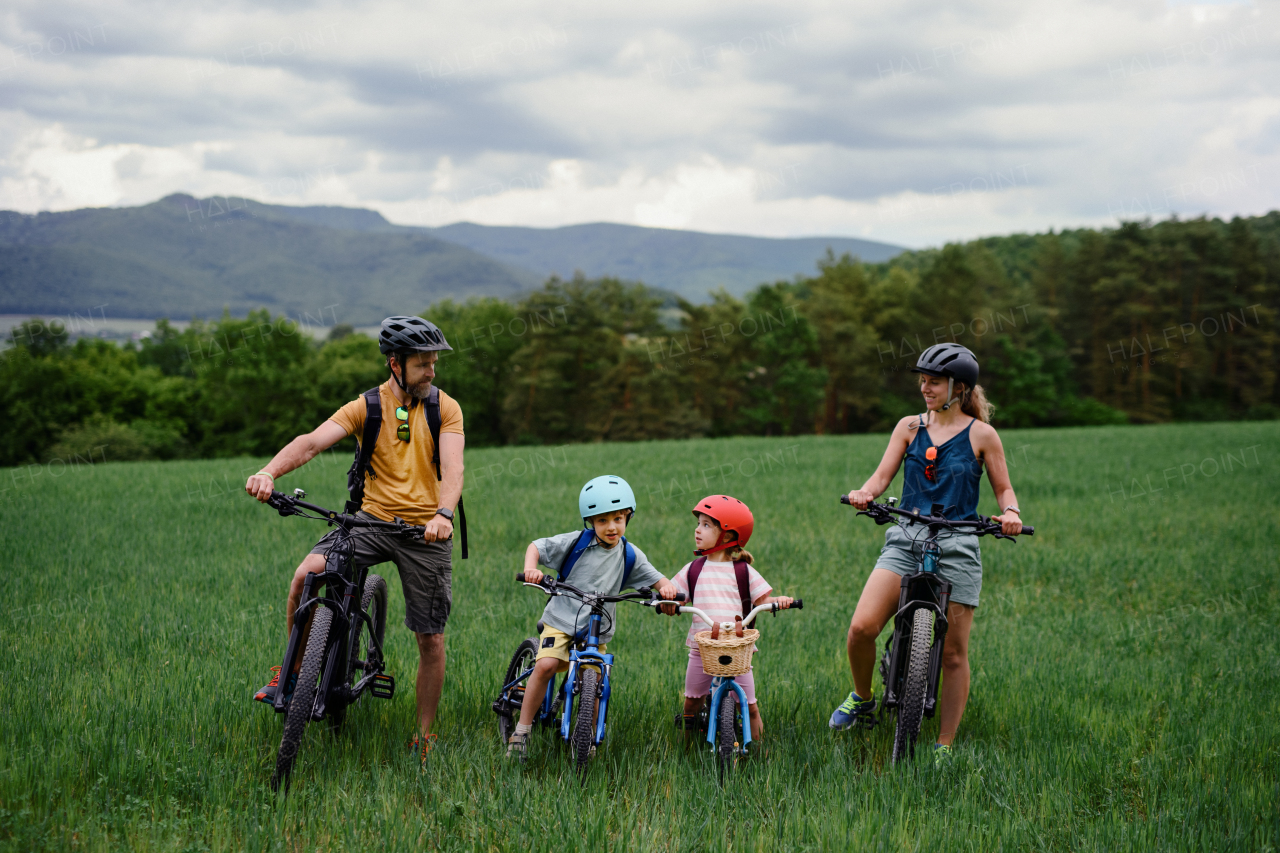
182 257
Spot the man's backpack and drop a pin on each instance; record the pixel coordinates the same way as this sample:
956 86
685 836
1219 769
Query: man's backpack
363 463
584 542
740 573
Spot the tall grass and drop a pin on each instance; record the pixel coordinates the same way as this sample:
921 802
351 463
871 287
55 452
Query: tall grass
1124 662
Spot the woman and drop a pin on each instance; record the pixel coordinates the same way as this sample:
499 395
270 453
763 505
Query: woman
945 449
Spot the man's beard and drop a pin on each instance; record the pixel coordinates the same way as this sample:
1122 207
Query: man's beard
420 390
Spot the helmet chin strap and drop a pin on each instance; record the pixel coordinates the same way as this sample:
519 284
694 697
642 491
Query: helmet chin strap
951 384
400 378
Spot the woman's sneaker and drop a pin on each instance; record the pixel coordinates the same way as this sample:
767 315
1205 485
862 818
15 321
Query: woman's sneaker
854 711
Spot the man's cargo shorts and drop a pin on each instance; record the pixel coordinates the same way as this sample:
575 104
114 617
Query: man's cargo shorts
426 572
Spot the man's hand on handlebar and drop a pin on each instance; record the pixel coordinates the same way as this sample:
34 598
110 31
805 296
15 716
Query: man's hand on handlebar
260 486
860 498
1010 523
438 529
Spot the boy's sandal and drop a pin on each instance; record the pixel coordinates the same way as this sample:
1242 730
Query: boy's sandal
518 746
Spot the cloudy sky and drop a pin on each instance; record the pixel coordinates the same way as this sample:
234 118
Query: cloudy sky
912 123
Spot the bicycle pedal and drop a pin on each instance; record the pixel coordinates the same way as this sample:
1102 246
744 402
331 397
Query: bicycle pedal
383 686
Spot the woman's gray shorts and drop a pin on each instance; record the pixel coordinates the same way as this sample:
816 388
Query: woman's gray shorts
961 563
426 572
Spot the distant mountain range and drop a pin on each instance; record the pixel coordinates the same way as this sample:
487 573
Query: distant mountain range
181 257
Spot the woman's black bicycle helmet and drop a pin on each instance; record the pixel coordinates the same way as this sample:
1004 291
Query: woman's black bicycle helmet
410 334
953 362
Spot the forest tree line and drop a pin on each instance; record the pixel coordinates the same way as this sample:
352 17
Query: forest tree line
1144 323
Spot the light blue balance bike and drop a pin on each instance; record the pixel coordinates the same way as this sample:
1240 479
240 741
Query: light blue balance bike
727 717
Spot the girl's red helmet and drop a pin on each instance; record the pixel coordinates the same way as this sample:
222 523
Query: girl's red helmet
730 514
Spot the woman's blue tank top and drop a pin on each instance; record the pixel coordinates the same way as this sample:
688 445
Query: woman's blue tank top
956 475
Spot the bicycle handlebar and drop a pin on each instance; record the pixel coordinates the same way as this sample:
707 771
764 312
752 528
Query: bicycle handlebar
771 607
288 505
552 586
984 526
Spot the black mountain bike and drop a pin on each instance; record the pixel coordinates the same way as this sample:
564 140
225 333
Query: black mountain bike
343 654
912 659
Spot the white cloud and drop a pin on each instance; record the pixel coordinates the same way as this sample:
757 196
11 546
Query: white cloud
899 123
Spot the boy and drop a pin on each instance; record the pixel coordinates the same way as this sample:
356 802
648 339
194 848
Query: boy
606 505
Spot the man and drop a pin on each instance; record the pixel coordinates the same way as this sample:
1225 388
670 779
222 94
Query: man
403 484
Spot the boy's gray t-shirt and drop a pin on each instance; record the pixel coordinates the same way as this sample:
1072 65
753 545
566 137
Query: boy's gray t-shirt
598 570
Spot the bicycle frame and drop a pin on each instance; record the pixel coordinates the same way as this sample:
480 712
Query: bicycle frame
919 590
923 589
721 685
588 655
340 575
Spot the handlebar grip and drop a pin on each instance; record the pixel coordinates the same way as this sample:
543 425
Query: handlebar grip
680 596
520 578
1028 530
844 499
797 604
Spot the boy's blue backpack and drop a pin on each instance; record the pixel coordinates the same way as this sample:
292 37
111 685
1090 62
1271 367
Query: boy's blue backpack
584 542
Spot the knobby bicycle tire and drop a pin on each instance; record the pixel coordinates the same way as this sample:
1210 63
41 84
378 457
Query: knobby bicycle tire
373 602
584 727
911 709
304 695
524 657
728 735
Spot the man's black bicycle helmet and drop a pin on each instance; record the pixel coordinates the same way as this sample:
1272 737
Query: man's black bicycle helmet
410 334
952 362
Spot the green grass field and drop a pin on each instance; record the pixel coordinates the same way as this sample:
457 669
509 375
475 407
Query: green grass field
1124 659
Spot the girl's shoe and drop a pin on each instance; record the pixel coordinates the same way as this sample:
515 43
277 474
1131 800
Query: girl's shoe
854 711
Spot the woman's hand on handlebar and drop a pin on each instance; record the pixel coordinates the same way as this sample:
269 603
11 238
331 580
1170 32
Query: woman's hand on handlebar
260 486
1010 523
860 498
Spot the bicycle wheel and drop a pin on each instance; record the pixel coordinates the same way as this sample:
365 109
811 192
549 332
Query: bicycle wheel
911 708
583 738
363 658
523 659
304 696
728 735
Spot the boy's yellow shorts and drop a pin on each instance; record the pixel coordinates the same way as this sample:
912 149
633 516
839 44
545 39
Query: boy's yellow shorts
555 644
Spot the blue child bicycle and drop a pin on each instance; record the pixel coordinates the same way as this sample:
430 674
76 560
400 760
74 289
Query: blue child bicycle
580 707
726 715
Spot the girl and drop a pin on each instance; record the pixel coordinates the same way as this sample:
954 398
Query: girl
723 584
945 449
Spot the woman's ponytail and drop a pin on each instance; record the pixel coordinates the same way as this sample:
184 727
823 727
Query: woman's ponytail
974 403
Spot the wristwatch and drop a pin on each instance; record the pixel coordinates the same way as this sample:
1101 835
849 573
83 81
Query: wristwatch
1012 508
447 513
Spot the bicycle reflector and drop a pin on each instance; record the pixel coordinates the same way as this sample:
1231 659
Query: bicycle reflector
931 470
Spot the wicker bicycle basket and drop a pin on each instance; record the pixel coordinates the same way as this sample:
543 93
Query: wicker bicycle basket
728 655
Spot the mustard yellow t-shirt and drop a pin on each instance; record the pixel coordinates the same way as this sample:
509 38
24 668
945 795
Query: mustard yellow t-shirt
404 485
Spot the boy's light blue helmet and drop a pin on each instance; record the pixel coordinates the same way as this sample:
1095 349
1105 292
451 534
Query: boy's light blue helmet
605 494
